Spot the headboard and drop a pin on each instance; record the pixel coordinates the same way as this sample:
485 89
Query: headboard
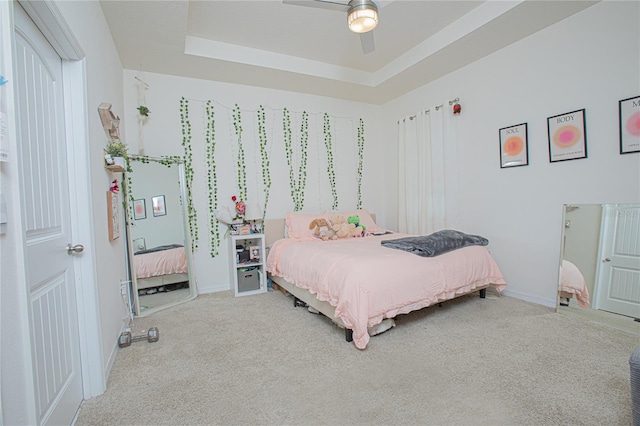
274 230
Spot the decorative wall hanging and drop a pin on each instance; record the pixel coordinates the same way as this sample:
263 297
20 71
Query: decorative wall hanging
514 149
264 157
330 168
242 167
212 180
192 214
299 182
139 209
567 136
113 213
159 206
629 112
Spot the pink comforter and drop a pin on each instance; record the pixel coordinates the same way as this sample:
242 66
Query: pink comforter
367 282
172 261
572 282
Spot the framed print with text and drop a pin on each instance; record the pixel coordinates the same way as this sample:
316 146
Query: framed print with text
159 208
629 112
139 209
514 149
567 136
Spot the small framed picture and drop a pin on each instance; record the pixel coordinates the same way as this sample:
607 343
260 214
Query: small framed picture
514 148
139 209
567 136
159 208
629 110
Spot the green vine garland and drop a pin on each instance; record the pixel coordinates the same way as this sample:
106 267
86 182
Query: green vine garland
264 156
212 180
188 165
242 170
330 169
297 185
360 161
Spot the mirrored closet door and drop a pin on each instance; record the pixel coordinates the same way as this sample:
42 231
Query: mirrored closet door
600 265
159 251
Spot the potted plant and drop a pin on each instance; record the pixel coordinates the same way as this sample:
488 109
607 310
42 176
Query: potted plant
118 152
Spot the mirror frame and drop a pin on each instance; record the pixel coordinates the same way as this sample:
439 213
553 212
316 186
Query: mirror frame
168 162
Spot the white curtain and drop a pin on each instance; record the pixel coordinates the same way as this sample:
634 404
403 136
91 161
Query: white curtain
428 172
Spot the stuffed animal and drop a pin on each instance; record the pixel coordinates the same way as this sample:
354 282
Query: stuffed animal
340 226
322 229
356 229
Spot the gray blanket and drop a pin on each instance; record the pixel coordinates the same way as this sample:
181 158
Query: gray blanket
435 244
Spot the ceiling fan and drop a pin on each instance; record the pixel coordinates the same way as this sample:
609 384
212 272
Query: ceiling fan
362 16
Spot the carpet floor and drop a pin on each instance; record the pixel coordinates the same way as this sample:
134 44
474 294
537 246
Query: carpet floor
258 360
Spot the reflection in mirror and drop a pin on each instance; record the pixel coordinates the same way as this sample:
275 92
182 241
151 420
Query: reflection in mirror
159 255
600 264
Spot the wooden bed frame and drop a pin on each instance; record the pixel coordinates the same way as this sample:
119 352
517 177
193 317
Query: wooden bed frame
161 280
273 231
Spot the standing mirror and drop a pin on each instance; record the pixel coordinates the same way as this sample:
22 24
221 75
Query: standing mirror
159 251
599 278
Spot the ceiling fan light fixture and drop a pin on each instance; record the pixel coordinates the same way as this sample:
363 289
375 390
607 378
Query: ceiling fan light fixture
362 16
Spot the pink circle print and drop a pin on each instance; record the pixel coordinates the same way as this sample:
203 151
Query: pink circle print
513 146
566 136
633 124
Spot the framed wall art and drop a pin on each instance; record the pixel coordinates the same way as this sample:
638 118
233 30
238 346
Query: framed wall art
113 213
514 149
139 209
159 207
629 113
567 136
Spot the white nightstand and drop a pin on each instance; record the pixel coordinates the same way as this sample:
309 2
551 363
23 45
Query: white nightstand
248 257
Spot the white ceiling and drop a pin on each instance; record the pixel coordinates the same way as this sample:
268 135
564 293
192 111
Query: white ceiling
306 49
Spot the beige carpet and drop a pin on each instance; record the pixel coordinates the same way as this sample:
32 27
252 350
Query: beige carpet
257 360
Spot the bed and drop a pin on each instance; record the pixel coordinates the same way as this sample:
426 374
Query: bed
359 282
572 284
161 266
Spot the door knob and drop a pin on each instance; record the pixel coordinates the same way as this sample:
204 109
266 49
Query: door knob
78 248
608 259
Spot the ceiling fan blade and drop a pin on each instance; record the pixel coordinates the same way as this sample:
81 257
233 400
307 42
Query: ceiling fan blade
341 6
367 42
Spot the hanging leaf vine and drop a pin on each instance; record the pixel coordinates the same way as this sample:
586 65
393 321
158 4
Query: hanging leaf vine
299 182
360 161
330 168
192 215
242 169
264 156
212 180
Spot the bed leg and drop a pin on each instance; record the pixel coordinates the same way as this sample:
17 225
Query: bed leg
348 334
483 293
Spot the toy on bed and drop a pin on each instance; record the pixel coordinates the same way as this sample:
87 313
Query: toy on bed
322 229
343 228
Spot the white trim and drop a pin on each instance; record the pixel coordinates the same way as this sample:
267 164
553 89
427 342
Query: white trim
49 20
93 374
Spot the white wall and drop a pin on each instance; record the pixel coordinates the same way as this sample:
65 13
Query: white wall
162 135
591 61
104 84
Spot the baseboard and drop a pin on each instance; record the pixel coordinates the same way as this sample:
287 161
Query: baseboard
213 289
550 303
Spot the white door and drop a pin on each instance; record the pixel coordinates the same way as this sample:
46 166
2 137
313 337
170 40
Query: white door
47 225
619 273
